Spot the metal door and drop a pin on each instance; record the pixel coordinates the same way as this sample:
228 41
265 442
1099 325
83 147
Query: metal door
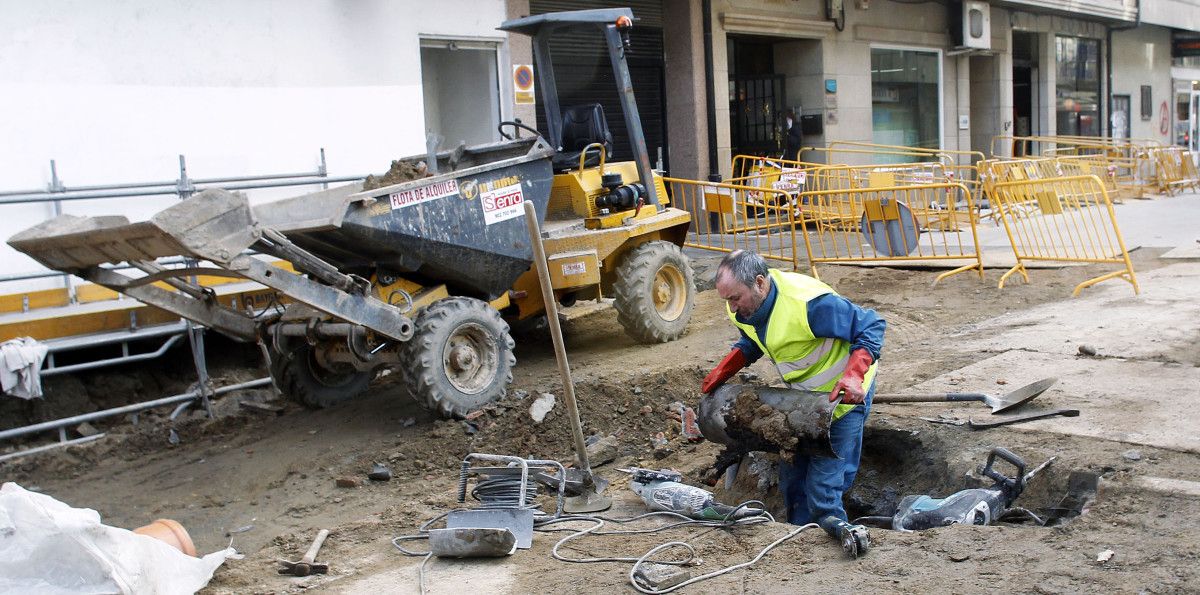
755 108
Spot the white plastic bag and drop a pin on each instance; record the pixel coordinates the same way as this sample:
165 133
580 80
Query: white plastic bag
47 547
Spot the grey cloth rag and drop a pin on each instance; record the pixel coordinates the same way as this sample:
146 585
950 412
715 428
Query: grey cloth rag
20 367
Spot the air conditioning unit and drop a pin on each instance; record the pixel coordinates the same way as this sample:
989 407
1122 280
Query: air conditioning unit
971 24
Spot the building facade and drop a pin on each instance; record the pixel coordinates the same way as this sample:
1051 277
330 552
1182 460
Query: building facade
958 76
116 93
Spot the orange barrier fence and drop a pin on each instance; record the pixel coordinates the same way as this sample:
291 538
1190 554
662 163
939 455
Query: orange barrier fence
728 217
1041 168
1065 219
1175 169
972 156
897 224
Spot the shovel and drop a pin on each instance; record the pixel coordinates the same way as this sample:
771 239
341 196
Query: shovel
591 498
1007 402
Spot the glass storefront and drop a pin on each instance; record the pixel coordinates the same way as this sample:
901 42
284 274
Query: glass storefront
905 87
1077 94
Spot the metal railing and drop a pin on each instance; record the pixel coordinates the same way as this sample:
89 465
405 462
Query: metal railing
183 187
181 401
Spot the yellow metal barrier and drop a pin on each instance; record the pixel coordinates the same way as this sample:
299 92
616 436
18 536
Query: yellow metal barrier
728 217
1066 219
892 225
971 155
886 155
1041 168
1175 169
744 166
1025 146
777 174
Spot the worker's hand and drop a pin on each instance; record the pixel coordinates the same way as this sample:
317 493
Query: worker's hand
850 386
850 389
725 370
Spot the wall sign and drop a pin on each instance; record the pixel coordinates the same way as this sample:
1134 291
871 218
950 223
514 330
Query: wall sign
523 84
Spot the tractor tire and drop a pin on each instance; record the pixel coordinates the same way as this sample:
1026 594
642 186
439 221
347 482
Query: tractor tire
460 357
301 379
654 292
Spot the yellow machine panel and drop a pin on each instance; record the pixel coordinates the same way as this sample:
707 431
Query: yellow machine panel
574 269
574 193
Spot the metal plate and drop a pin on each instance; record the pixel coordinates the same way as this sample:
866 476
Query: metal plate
472 542
519 521
890 228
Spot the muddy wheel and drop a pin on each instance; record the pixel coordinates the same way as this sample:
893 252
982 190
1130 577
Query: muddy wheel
654 292
304 380
460 357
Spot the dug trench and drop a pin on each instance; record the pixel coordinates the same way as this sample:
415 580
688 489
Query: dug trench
898 462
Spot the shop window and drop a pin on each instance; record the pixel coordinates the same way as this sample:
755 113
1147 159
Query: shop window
1077 96
905 97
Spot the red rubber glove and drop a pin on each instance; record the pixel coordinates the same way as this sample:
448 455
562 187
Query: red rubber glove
724 371
850 387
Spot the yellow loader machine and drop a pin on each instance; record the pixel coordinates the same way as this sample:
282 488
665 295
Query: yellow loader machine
423 275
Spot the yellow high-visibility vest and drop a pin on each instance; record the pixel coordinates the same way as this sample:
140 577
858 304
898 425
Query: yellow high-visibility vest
805 361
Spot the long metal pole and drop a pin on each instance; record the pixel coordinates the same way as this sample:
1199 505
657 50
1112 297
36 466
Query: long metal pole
633 122
78 419
560 350
167 190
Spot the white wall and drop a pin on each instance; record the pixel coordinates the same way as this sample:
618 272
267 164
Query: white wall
1142 56
116 90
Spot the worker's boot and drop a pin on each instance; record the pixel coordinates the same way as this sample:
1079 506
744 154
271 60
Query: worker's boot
855 538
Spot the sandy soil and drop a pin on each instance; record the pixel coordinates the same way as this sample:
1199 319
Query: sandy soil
268 482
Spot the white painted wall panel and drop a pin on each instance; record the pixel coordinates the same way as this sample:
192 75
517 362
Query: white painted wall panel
116 90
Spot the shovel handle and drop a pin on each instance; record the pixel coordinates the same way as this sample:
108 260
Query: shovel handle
929 398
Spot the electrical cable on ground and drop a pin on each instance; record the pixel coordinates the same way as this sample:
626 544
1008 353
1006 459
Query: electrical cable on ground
544 524
715 573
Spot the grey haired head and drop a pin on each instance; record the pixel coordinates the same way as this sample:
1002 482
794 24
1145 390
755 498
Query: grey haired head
745 266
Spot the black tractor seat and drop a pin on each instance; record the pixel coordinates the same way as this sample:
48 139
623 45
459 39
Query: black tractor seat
582 125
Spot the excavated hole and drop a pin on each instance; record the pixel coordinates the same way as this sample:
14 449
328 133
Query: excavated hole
897 463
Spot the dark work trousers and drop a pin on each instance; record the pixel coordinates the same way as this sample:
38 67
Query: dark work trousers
813 486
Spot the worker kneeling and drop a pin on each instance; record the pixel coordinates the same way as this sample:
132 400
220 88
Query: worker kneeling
819 341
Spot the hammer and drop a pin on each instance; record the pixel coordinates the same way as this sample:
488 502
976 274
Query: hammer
306 566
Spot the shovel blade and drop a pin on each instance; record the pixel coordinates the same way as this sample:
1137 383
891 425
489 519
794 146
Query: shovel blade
1021 396
588 501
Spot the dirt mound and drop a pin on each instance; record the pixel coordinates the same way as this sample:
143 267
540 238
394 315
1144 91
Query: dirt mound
635 409
400 171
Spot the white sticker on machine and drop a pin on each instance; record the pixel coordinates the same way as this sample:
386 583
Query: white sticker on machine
574 268
413 196
502 204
